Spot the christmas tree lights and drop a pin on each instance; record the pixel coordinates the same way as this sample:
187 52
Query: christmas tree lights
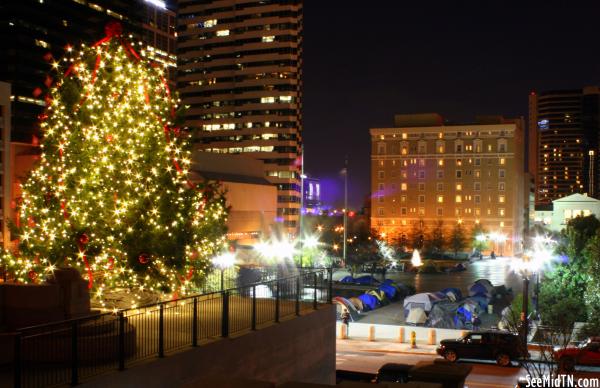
110 195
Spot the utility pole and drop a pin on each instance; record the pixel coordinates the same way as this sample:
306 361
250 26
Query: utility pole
345 208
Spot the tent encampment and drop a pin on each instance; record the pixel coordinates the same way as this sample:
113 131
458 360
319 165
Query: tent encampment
482 287
416 316
389 290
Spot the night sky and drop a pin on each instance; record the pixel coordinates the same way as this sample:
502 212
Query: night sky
366 61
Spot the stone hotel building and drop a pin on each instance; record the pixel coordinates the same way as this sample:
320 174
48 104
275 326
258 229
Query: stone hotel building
424 171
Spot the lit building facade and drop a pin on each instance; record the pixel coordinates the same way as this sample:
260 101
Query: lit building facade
567 127
423 172
239 72
555 216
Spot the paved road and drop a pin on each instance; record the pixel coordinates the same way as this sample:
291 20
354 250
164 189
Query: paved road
365 356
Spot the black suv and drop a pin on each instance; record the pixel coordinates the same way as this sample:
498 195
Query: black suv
484 345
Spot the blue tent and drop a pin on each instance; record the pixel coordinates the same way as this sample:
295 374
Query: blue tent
453 290
347 279
388 281
479 290
389 290
482 301
366 280
369 301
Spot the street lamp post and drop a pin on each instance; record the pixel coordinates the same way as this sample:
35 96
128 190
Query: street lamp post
345 210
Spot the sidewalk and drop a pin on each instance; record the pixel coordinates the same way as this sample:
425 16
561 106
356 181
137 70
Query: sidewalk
384 347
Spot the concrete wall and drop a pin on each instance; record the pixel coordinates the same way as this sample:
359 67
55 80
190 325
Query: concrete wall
392 332
301 349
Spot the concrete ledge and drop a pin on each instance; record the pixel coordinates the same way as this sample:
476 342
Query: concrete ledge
300 349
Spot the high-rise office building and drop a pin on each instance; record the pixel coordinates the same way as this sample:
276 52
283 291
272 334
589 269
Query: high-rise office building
240 74
566 125
424 171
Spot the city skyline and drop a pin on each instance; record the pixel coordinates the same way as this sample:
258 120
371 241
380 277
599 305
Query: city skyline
461 61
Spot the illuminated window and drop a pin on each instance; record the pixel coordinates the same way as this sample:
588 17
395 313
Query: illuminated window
477 173
403 186
403 198
404 150
501 186
459 199
459 162
502 161
458 186
404 174
501 198
210 23
587 213
405 136
440 162
421 211
285 99
439 145
501 212
268 39
440 199
41 43
568 214
223 33
477 211
489 148
267 100
502 224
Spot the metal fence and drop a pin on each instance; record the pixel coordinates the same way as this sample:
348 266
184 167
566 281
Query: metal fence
74 351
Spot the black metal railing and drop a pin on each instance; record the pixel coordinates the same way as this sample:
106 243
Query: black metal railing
76 350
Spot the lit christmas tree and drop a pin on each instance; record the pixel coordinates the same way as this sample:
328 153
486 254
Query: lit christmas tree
110 195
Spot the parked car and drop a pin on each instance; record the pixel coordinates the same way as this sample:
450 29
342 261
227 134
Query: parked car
484 345
586 353
393 373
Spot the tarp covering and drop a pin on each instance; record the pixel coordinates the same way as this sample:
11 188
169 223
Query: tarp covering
482 287
369 301
480 300
442 315
381 297
343 303
339 275
416 316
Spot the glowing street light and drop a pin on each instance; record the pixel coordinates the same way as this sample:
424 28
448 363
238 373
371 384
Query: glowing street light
223 261
416 259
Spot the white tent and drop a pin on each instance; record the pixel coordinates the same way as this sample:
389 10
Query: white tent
423 300
416 316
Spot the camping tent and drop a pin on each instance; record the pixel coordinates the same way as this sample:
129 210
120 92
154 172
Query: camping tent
389 290
368 279
453 294
369 302
482 287
357 303
442 315
347 279
416 316
424 300
381 297
343 303
339 275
